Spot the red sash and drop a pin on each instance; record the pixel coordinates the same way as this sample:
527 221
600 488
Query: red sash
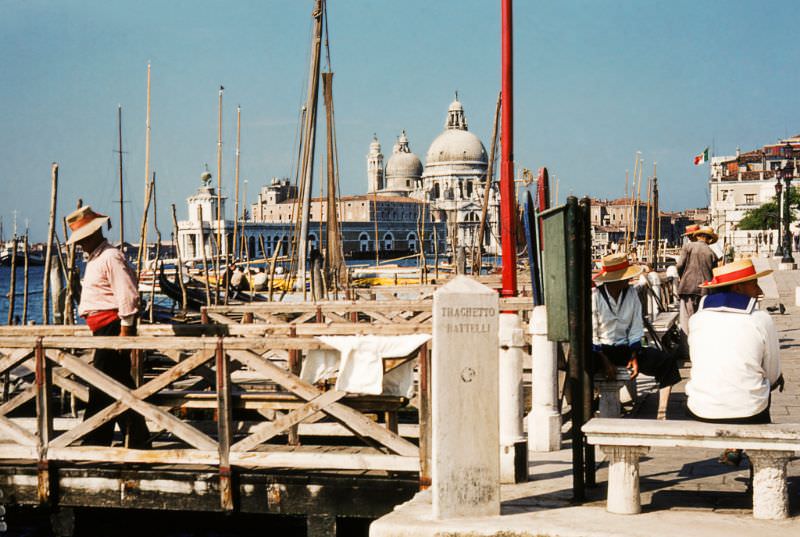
99 319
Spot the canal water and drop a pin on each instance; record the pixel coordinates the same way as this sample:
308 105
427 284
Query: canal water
35 281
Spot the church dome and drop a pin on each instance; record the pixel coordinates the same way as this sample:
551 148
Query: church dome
403 163
456 143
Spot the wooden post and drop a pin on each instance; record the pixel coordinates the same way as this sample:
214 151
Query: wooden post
25 282
49 252
295 365
12 286
270 284
477 258
180 261
224 417
424 418
143 231
205 263
44 421
158 251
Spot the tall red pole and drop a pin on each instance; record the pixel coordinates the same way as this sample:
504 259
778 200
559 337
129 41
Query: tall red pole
508 202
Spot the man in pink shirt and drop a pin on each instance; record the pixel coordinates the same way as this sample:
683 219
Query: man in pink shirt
109 303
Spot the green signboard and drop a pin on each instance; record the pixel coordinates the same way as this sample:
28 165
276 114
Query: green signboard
554 272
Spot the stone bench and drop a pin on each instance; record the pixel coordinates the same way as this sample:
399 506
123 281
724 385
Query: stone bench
610 405
623 441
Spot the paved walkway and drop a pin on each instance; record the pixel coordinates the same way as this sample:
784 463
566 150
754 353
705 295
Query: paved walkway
684 491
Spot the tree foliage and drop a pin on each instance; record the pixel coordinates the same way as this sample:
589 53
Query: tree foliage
765 216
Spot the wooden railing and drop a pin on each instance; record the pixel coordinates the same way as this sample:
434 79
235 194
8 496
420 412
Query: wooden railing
386 312
199 413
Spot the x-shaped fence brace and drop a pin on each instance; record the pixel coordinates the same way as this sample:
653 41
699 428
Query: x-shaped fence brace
54 364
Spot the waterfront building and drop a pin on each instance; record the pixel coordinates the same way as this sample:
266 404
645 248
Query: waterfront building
744 181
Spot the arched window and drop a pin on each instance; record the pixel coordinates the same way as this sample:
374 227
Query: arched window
251 247
436 191
363 242
285 245
469 189
388 241
411 239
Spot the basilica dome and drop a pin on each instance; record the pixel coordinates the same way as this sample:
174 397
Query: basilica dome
456 144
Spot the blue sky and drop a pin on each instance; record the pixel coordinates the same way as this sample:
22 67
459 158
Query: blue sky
595 82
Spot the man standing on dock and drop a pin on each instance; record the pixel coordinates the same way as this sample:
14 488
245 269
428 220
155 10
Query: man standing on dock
694 267
109 303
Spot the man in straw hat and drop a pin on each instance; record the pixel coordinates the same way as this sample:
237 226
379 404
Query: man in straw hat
618 329
109 303
734 350
694 267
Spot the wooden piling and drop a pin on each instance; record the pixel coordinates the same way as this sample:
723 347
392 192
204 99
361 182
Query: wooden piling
12 286
180 261
143 230
477 258
25 281
205 264
50 234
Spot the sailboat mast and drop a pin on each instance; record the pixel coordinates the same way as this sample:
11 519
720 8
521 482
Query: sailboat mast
217 258
146 165
236 202
310 138
121 194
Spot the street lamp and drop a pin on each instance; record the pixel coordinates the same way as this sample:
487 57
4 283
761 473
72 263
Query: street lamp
778 190
787 172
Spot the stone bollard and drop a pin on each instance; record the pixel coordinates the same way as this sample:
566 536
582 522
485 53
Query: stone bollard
655 284
797 296
513 447
770 489
544 421
623 479
465 426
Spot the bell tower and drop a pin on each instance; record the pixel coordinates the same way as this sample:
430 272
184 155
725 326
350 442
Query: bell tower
374 166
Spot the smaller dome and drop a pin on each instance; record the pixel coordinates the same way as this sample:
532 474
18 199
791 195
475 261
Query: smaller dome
403 163
455 106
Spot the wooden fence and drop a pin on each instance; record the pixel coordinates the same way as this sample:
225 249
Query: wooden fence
201 414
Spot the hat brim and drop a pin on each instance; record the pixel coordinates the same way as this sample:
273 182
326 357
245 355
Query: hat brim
87 229
619 275
740 280
713 236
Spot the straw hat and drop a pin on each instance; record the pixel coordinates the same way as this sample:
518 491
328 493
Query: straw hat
709 232
690 229
735 272
616 267
83 223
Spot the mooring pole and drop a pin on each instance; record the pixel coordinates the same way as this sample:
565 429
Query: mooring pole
508 204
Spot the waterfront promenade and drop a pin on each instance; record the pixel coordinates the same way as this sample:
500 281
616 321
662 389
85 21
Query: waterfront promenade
684 491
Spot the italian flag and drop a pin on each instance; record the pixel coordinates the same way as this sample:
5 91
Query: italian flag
702 158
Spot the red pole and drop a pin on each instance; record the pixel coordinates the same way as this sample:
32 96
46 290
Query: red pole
508 202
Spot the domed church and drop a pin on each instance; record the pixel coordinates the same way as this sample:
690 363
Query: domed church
452 180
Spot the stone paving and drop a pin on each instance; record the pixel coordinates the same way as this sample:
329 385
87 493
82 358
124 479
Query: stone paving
684 491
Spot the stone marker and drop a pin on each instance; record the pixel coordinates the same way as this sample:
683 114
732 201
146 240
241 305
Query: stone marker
465 406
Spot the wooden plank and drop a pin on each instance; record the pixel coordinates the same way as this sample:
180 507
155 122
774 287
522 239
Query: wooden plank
265 431
305 317
350 418
161 381
15 357
18 400
16 433
221 319
299 460
125 396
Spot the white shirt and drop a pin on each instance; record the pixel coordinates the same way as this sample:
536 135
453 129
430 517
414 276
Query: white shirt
617 323
735 357
109 284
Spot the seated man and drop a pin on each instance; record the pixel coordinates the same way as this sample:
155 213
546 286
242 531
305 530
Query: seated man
734 350
618 329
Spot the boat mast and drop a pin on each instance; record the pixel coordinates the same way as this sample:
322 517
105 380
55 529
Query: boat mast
217 258
310 138
146 165
121 194
236 174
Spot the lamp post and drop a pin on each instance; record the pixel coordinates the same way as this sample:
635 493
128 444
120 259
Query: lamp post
787 172
778 190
